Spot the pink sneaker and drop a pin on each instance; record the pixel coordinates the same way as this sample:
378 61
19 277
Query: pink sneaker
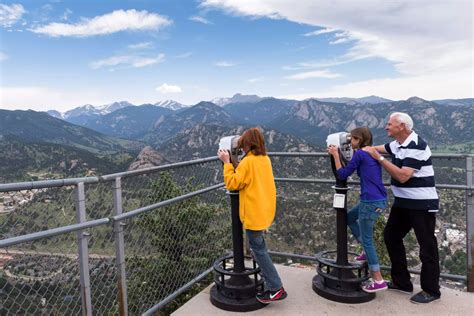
374 286
361 257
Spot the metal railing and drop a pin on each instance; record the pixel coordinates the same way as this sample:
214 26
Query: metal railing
131 242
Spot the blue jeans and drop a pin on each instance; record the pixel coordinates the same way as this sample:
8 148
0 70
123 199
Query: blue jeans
361 220
260 254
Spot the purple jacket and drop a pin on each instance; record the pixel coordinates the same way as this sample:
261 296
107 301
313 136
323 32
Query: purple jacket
370 174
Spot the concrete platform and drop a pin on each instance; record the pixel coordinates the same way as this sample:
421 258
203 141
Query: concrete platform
302 300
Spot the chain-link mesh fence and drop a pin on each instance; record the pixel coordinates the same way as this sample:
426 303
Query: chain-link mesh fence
41 277
146 189
28 211
103 271
168 246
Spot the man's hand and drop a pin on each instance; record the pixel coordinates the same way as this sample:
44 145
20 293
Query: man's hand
372 151
402 174
223 155
333 150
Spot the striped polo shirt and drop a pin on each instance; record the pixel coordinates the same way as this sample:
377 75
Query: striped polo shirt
419 192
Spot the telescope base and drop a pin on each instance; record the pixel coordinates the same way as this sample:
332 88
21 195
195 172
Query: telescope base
232 304
341 282
235 289
352 297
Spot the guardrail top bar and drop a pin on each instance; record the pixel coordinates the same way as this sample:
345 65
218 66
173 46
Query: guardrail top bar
324 154
52 232
157 168
45 184
5 187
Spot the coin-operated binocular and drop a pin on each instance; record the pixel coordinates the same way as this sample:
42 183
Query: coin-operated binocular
231 143
343 141
340 280
235 284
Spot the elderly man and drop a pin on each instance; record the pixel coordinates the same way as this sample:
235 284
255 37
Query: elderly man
415 206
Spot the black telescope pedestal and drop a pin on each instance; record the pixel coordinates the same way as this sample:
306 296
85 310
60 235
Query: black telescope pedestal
338 279
235 284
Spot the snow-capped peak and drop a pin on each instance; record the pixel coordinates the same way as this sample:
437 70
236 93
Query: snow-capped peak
170 104
237 98
111 107
87 109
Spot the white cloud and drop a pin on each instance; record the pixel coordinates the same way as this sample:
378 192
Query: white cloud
10 14
12 98
167 89
314 74
42 98
342 37
66 14
138 46
128 60
319 32
3 56
324 63
340 41
224 63
430 87
200 19
116 21
421 38
258 79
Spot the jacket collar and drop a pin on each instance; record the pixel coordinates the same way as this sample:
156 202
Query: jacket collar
413 137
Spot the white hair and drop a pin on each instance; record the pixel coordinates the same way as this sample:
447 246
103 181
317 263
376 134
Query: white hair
403 118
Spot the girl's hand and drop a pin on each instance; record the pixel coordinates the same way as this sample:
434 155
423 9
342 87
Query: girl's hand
333 150
223 155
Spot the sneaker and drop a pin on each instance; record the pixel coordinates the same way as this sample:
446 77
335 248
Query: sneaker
423 298
373 286
361 257
272 296
392 286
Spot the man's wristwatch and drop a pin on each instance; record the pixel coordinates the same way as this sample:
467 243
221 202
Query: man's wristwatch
381 158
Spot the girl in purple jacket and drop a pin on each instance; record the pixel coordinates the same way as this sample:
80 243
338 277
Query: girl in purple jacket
373 201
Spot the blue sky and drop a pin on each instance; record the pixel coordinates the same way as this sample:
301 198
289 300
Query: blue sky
62 54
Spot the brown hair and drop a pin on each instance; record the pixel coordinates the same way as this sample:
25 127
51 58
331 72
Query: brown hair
364 134
253 139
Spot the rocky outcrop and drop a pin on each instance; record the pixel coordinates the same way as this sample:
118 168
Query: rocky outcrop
148 158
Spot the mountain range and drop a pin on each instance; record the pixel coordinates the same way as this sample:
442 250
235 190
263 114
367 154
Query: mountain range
89 110
32 126
440 123
180 132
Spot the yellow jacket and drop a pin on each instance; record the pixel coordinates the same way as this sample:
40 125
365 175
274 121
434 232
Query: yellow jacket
253 177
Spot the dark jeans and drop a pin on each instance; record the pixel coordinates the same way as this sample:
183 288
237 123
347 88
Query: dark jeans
260 254
400 222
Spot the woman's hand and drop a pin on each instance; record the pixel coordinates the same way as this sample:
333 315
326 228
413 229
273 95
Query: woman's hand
223 155
333 150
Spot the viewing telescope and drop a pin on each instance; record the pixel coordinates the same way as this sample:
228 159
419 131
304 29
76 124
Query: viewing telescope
231 143
343 141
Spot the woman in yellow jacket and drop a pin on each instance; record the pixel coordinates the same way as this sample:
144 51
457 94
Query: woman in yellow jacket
253 177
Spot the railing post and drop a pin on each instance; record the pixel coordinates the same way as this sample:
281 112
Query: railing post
470 226
82 239
120 249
